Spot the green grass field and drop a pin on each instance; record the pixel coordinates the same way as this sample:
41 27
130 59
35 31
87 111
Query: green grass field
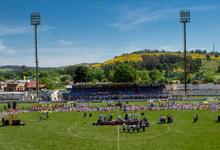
69 131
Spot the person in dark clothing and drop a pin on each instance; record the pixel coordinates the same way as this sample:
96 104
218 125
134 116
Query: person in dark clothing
162 119
126 116
85 114
110 117
169 119
195 118
143 125
3 121
144 119
138 126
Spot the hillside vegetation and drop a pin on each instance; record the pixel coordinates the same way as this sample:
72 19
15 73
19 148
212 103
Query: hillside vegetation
139 57
147 66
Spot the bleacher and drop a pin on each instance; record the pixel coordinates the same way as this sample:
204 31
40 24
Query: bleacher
117 91
177 90
4 96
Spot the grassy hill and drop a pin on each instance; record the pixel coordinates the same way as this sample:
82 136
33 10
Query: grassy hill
210 61
138 57
170 64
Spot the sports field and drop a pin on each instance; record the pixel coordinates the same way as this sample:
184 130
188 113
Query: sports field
68 130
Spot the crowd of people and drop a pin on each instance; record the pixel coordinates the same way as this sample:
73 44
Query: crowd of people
126 117
173 106
131 122
128 114
141 125
64 107
86 107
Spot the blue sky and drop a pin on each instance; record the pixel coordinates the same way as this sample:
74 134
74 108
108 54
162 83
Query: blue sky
78 31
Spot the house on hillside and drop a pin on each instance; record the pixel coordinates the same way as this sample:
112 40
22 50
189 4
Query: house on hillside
21 85
31 85
13 86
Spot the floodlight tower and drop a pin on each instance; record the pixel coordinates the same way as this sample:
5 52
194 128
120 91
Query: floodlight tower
35 21
185 18
214 48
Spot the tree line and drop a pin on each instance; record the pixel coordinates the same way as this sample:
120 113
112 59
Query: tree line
153 69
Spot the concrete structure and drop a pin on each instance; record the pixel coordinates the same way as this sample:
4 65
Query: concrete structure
210 89
5 96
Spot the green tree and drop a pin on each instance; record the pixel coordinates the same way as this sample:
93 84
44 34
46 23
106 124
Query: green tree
156 76
65 78
208 76
195 65
208 57
25 72
143 77
51 82
96 74
81 74
70 70
164 67
150 62
124 73
2 78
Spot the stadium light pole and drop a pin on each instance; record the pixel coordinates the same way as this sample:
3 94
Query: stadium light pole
35 21
185 18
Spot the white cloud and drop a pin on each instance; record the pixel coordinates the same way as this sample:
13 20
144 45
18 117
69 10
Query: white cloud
63 42
202 8
132 17
8 30
13 30
46 28
5 49
55 56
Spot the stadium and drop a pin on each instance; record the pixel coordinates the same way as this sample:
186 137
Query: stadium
93 83
111 116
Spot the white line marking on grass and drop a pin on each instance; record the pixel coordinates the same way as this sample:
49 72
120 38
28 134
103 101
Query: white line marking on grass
118 139
118 133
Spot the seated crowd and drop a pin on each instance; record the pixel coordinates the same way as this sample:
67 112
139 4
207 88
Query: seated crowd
84 107
173 106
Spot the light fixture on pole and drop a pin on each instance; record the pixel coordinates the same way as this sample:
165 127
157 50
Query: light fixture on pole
35 21
185 18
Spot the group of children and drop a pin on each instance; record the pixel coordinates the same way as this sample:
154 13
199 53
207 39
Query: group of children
141 125
164 119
